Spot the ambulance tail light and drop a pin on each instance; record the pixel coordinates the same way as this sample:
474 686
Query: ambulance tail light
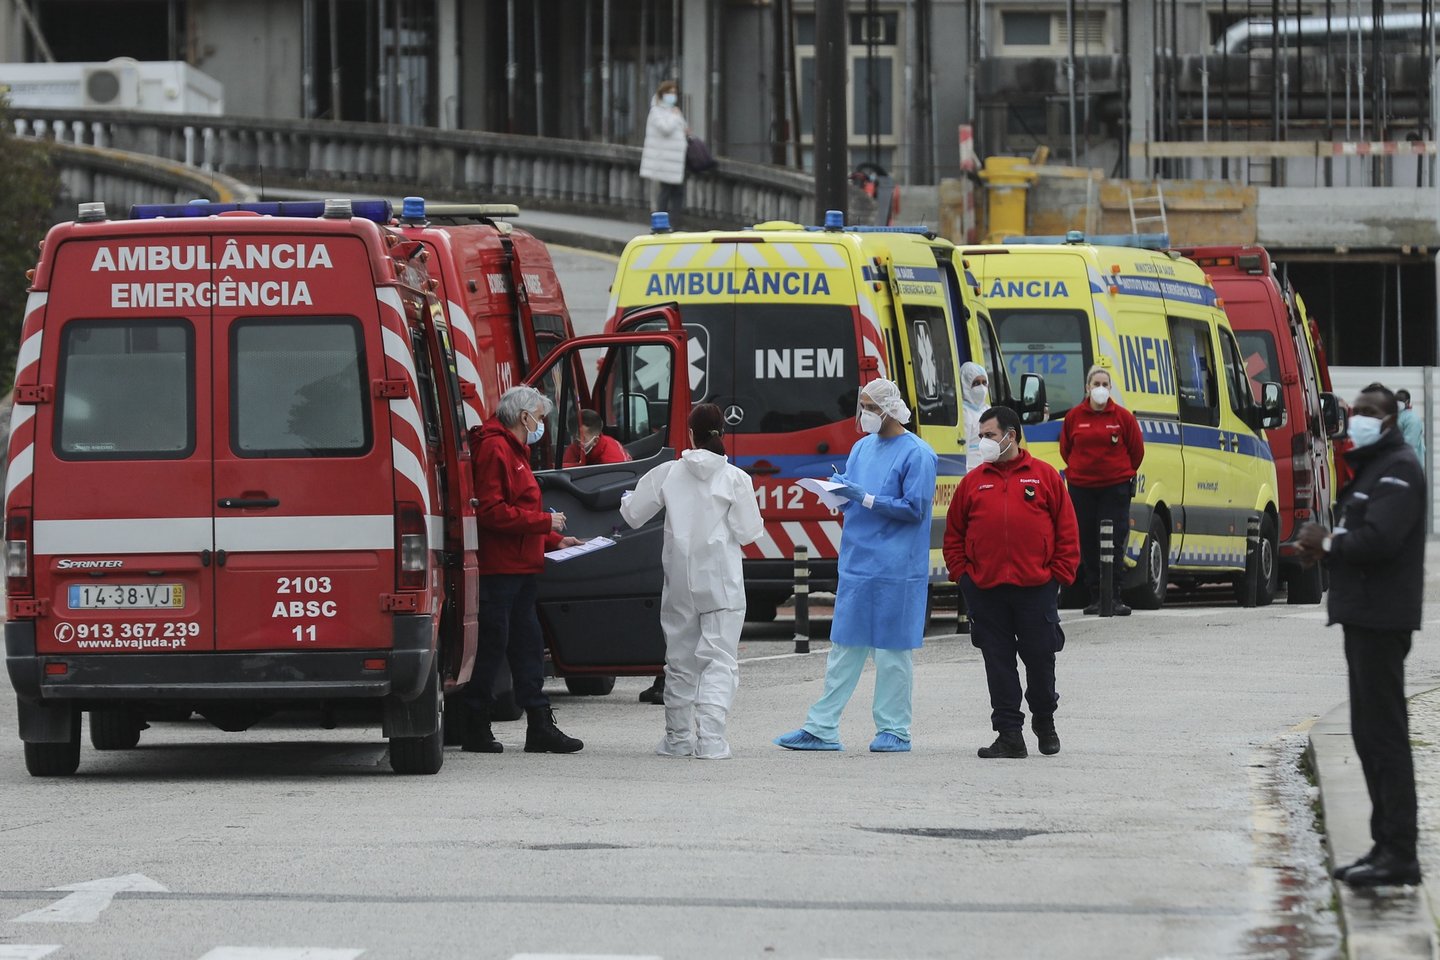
411 547
19 581
1303 479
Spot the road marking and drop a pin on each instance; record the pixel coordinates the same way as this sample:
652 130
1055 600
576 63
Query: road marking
21 951
89 899
584 956
281 953
1307 615
784 656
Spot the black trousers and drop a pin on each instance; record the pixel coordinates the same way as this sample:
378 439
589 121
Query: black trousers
1381 729
509 632
1006 622
1092 505
671 198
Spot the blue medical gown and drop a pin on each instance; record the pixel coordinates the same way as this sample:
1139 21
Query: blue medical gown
885 550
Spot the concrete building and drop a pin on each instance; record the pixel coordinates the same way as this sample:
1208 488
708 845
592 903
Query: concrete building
1109 84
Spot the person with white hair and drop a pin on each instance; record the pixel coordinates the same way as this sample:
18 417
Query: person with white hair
514 531
884 569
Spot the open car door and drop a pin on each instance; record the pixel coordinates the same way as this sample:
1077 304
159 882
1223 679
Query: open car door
600 611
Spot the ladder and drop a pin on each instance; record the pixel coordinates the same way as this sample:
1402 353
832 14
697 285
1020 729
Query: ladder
1148 211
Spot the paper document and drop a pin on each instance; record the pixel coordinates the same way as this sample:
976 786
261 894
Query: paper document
821 489
589 546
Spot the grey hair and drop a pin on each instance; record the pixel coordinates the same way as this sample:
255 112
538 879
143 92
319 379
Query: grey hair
518 401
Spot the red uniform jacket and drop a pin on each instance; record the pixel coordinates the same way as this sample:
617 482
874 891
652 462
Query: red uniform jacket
1101 447
606 450
514 526
1012 523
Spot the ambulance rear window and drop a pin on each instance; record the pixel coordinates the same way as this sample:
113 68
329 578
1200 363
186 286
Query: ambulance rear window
1052 343
1262 361
297 388
126 390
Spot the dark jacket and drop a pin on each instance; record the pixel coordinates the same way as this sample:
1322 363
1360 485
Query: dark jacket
1012 523
1377 551
514 526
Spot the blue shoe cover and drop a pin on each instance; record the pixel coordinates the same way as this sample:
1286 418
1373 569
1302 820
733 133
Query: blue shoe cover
889 743
804 740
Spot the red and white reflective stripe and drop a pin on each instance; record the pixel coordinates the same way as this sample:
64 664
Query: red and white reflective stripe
466 363
22 418
408 449
1367 148
820 537
870 339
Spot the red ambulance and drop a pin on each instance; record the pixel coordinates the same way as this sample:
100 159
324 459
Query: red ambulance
1281 343
239 481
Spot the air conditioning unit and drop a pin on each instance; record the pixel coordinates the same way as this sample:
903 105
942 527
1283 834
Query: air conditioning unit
113 86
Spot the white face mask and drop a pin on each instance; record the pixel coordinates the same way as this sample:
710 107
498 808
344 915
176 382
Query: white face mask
1101 395
669 99
990 450
1364 430
871 422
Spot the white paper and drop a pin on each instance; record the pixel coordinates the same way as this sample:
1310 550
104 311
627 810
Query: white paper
821 489
589 546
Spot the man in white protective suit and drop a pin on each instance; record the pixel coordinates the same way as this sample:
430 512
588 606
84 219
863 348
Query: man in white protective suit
710 512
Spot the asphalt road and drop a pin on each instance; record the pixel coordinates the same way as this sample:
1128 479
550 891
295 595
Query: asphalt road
1174 823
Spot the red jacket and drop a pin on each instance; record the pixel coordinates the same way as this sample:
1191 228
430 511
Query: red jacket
514 526
1101 447
1012 523
606 450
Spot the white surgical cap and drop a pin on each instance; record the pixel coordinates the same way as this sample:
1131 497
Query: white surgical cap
975 396
887 397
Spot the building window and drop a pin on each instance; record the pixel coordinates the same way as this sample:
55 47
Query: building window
1026 29
1046 33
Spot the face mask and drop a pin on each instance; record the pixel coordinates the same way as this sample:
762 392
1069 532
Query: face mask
533 437
670 99
1364 430
871 422
589 445
990 450
1101 395
975 393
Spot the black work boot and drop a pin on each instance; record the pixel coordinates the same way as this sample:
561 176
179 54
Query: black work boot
479 738
655 693
1008 745
542 736
1044 728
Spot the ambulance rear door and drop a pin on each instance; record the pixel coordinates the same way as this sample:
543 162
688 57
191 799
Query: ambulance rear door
121 457
600 610
305 491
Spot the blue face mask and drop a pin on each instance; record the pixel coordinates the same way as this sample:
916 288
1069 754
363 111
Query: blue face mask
669 99
1364 430
533 437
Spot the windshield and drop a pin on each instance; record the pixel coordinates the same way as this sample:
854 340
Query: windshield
1262 362
1052 343
773 367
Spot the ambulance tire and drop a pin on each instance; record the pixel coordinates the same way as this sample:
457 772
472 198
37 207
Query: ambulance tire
54 759
1304 586
1269 563
115 728
505 707
1149 594
423 755
590 686
762 608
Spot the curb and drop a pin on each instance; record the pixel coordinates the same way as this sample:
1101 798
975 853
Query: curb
1399 923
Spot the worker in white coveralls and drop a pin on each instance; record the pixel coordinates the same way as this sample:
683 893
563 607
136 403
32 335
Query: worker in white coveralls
974 400
884 568
710 512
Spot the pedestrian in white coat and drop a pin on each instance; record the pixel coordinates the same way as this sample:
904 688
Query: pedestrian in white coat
710 512
666 137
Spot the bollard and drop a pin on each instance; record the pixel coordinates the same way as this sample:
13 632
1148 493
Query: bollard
1249 596
1107 568
802 599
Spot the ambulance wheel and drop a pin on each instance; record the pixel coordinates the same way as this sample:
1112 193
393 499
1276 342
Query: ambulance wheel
505 707
115 728
1269 563
423 755
54 759
1154 567
590 686
761 609
1304 586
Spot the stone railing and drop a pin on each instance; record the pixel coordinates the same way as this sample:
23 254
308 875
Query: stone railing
121 179
574 176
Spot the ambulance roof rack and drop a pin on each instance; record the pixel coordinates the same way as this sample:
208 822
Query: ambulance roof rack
468 212
1145 241
379 211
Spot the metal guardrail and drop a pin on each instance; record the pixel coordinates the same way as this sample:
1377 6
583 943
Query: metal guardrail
445 164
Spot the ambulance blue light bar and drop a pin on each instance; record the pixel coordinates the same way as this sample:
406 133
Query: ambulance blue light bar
380 211
1145 241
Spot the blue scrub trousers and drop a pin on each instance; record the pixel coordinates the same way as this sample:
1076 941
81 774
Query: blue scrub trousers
894 678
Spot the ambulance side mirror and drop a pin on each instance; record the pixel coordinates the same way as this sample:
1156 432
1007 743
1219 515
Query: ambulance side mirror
1272 405
637 416
1031 405
1332 415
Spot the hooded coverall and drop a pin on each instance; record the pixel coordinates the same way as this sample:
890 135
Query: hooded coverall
974 400
710 512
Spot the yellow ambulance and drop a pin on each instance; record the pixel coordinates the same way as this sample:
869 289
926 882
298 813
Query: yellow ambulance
1154 321
785 324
